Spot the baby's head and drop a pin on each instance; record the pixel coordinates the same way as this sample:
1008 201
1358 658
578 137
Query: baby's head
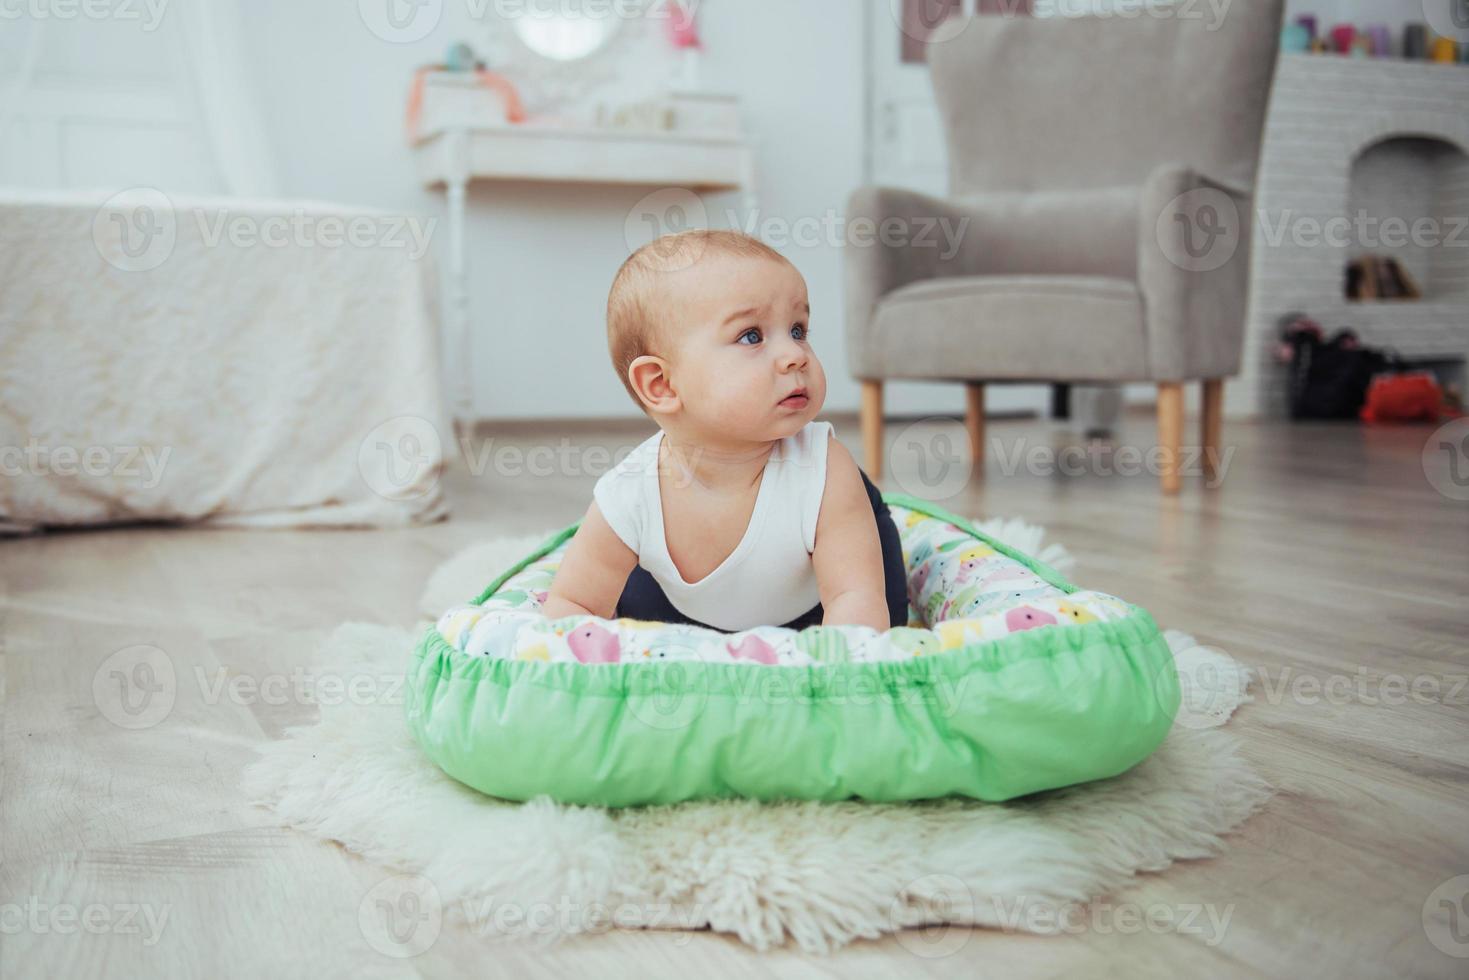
709 332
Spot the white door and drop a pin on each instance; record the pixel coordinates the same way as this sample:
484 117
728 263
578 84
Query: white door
124 95
907 138
906 149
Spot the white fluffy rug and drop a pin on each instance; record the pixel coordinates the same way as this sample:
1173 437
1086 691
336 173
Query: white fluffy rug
817 874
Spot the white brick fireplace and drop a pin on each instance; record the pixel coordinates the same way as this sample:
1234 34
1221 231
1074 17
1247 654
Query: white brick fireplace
1360 156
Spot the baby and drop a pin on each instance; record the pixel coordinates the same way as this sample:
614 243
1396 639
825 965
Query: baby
742 510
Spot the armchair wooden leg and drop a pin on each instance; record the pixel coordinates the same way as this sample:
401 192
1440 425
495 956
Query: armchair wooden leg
1170 433
974 422
872 428
1210 425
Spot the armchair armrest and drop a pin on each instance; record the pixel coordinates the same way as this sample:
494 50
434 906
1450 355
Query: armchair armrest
896 237
1193 271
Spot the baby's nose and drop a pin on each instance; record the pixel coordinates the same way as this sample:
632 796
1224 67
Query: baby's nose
793 354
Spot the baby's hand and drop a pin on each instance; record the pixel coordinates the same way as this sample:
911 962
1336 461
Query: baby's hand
593 572
848 553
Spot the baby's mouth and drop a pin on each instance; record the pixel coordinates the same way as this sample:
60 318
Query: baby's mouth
796 399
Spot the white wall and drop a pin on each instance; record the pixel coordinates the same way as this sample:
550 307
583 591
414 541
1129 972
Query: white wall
331 94
542 256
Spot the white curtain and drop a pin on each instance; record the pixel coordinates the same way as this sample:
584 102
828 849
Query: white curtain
227 99
150 94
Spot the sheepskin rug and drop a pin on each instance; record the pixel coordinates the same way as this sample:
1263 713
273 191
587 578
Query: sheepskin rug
818 875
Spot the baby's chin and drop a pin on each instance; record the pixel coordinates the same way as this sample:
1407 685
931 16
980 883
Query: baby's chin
794 422
778 425
771 432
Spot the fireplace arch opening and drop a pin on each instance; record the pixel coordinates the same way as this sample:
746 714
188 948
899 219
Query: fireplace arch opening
1408 206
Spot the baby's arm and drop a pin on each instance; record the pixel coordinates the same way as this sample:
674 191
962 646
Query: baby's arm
593 573
848 553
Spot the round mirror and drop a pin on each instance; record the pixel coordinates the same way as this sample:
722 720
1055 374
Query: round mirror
565 36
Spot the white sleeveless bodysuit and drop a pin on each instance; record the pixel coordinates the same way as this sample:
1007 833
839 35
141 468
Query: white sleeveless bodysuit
768 579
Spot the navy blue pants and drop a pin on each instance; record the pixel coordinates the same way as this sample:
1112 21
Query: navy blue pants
643 597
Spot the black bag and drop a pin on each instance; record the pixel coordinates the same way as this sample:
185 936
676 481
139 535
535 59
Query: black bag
1329 378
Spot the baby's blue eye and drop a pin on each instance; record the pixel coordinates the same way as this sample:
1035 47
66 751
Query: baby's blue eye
798 330
752 330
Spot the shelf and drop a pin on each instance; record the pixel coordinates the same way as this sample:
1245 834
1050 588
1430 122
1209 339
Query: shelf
597 156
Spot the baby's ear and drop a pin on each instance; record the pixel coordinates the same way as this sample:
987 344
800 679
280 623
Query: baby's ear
648 375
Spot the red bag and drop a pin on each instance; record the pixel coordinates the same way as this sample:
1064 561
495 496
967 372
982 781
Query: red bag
1409 397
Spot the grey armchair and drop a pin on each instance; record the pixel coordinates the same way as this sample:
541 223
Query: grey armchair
1105 167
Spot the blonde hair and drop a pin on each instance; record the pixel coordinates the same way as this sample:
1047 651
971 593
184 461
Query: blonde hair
635 323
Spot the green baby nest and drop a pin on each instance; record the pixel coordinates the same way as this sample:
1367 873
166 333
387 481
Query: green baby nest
1007 680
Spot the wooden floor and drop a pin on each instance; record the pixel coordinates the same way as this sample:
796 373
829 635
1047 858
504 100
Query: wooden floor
1326 560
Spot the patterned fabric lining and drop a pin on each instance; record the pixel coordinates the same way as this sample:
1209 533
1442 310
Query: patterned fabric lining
960 590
